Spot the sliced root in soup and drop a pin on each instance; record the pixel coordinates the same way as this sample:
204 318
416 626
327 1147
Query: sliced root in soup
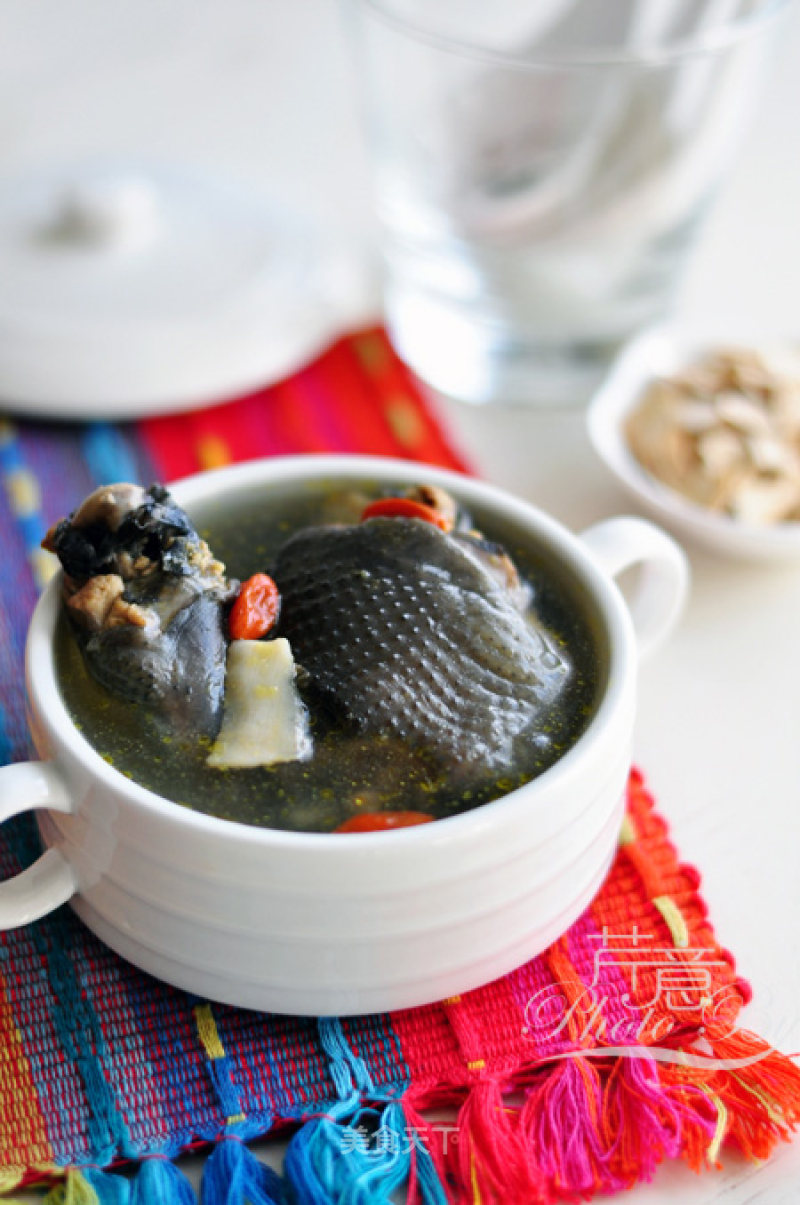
264 720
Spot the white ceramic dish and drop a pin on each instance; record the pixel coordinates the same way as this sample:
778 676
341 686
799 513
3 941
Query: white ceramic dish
320 923
657 353
157 289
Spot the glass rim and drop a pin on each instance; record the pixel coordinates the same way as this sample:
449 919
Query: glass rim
710 42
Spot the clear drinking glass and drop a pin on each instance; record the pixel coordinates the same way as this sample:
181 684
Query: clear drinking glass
541 167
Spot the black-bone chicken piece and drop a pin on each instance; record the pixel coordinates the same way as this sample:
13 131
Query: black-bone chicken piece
145 597
401 629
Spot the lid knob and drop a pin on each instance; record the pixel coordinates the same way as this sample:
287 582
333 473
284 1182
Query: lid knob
107 213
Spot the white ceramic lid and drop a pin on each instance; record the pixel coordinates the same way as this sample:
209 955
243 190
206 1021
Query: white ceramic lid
131 290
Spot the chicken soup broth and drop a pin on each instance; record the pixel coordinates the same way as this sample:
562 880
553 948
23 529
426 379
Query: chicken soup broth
434 673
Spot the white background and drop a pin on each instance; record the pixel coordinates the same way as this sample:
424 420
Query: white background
264 90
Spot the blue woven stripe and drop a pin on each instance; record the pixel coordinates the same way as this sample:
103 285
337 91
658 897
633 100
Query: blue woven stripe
76 1023
373 1039
59 1089
225 1079
188 1108
82 1039
6 747
53 454
109 454
129 1066
280 1069
12 462
17 598
350 1075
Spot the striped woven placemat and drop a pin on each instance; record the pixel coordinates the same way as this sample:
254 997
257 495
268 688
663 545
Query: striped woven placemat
616 1048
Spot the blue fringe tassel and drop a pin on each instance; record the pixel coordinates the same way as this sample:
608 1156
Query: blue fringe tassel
159 1182
74 1189
328 1162
309 1161
429 1187
108 1188
233 1176
358 1163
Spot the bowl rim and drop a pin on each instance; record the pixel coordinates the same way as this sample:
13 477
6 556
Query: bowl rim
615 400
62 733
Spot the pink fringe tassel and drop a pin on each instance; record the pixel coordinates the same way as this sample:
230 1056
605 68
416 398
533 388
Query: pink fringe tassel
600 1125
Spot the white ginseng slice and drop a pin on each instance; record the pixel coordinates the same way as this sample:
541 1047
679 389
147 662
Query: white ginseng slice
264 719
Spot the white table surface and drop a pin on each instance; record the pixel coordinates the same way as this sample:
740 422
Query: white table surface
262 88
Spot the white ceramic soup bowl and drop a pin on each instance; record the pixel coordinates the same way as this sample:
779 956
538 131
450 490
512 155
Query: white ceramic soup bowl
315 923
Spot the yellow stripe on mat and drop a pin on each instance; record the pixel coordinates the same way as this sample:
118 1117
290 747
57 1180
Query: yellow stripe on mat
209 1036
674 920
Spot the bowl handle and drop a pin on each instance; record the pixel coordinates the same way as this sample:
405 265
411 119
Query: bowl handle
51 880
663 582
